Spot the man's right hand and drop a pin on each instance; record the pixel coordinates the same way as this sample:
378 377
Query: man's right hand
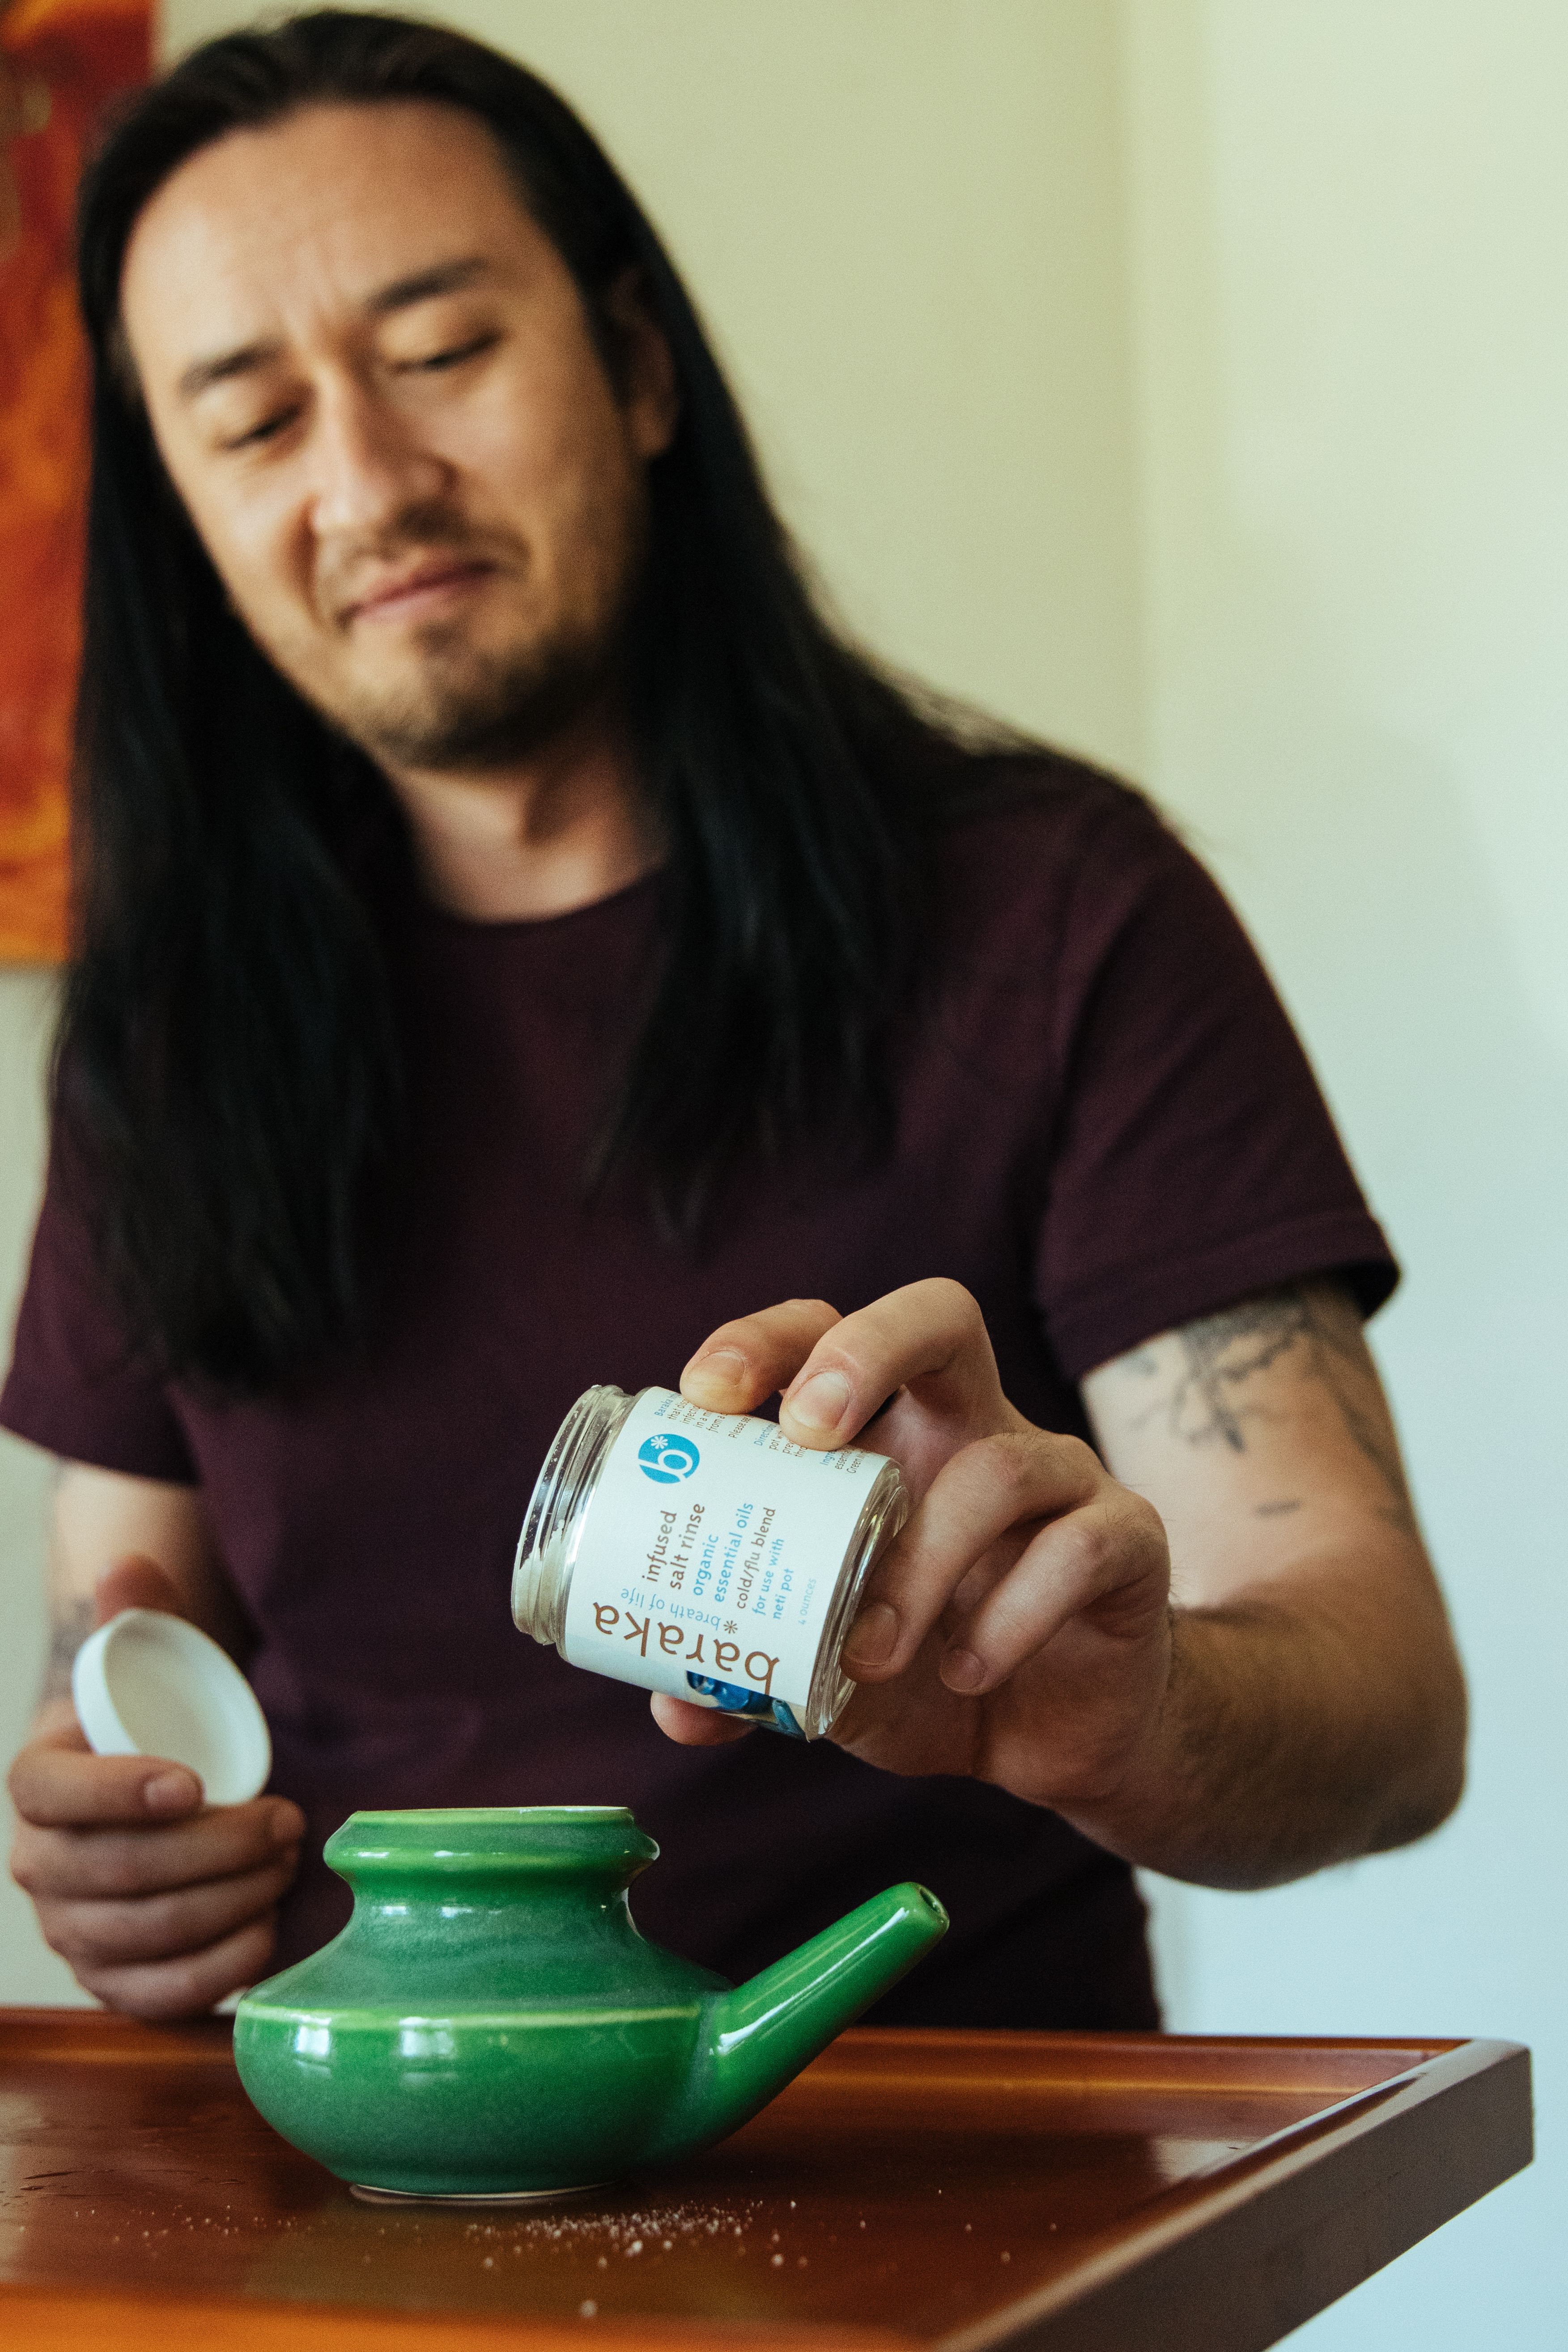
161 1903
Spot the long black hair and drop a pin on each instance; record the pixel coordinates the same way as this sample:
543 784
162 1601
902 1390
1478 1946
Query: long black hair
228 1069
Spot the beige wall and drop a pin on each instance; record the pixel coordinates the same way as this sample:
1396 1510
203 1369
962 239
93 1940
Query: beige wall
1348 225
1186 378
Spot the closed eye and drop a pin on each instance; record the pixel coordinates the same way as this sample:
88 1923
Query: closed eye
438 361
267 430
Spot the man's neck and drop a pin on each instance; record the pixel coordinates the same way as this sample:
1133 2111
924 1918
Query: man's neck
539 838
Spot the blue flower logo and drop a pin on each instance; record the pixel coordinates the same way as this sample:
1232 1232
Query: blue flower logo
666 1458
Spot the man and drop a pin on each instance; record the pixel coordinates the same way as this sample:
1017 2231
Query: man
518 943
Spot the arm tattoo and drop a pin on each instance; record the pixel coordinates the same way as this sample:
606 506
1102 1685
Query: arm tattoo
70 1614
1221 1354
1207 1402
70 1622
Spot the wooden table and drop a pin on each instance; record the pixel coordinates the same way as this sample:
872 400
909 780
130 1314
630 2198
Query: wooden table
911 2189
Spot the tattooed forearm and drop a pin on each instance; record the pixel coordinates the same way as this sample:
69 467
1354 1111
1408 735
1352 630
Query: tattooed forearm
1209 1395
71 1610
70 1622
1371 1440
1221 1353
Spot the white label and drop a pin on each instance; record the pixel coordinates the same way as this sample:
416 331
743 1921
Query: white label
710 1553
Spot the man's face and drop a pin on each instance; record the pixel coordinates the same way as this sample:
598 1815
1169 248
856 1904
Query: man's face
374 387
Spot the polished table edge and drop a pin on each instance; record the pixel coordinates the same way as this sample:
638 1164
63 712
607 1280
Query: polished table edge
1302 2217
1305 2215
62 2320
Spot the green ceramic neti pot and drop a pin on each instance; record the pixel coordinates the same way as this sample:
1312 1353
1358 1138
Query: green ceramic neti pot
490 2023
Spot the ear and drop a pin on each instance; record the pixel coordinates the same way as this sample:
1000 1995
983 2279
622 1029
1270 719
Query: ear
646 384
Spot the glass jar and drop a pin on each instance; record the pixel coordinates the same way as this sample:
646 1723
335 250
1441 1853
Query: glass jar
703 1554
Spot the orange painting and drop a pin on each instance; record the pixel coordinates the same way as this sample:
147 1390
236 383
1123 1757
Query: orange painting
60 62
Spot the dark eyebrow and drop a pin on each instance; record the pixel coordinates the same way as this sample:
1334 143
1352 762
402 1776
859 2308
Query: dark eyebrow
243 361
446 278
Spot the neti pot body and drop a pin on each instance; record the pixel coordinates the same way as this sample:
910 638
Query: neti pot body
491 2023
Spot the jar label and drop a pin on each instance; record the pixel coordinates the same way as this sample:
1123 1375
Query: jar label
710 1557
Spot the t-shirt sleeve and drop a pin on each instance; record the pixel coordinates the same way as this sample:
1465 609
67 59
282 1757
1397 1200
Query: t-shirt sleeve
1194 1160
76 1385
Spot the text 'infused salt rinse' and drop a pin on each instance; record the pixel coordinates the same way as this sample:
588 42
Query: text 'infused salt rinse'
703 1554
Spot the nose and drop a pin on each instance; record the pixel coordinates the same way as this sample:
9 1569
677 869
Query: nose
370 465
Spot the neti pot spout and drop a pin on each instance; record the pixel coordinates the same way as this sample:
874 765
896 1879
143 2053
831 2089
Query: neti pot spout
757 2038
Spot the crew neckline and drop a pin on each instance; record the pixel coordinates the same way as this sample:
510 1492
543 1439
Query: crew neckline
532 926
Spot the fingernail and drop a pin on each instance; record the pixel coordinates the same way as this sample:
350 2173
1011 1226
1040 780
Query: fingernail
820 1404
725 1364
874 1635
170 1792
962 1670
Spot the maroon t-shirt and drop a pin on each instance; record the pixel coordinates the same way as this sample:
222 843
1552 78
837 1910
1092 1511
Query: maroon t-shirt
1107 1128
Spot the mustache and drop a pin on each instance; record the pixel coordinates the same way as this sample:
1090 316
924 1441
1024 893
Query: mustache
356 566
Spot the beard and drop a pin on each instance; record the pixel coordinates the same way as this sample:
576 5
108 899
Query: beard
457 705
468 711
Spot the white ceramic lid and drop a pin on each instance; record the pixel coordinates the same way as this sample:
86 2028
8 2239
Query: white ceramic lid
150 1685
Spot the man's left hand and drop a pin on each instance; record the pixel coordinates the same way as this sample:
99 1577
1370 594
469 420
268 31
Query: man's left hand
1226 1655
1018 1628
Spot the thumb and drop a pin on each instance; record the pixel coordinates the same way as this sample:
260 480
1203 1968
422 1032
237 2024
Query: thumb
136 1583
